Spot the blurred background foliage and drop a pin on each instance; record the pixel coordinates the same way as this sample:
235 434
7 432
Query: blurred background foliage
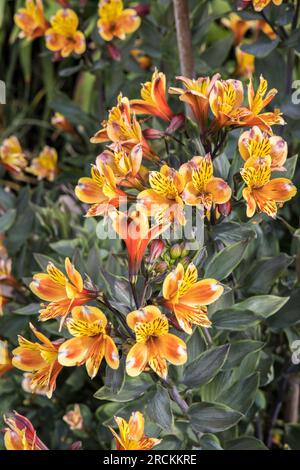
43 220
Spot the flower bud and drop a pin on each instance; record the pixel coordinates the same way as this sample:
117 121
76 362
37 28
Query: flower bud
142 9
156 249
161 267
175 124
225 209
175 251
114 52
152 134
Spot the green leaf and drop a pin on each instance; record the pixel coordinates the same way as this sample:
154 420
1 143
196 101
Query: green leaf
234 320
205 367
31 309
212 417
232 232
262 47
7 220
241 395
195 345
245 443
115 378
132 389
239 350
65 247
216 54
263 306
223 263
210 442
288 314
292 436
159 409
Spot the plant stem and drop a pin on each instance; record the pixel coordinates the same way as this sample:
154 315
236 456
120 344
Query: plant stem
107 304
134 294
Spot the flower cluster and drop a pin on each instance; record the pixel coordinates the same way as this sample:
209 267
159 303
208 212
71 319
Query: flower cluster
14 159
61 32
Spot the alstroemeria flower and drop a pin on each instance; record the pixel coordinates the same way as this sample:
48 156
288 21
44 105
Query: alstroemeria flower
154 344
202 187
31 20
153 100
74 418
91 341
59 121
39 358
263 194
100 190
63 36
134 229
226 99
256 102
196 94
163 201
245 63
44 166
238 26
63 292
259 5
115 21
7 280
132 436
257 147
126 166
12 156
122 128
188 298
5 358
20 434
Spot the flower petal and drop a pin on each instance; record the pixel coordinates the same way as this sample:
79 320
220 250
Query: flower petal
173 349
137 359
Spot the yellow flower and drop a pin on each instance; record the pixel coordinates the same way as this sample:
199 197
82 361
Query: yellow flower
264 194
256 102
31 20
63 35
5 358
202 187
154 344
91 341
122 128
20 434
39 358
226 99
245 63
153 100
12 157
163 200
188 298
257 147
196 94
132 436
63 292
115 21
259 5
45 165
100 190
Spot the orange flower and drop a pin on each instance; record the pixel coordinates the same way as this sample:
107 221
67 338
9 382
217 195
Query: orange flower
187 298
259 5
74 418
45 165
126 166
5 358
153 100
100 190
238 26
91 343
245 63
39 358
263 194
31 20
20 434
63 36
12 156
163 200
122 128
64 293
257 101
132 436
202 187
196 94
226 99
154 344
114 21
256 148
134 229
61 122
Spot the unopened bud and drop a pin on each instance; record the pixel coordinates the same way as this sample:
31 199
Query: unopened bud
114 52
161 267
175 251
142 9
225 209
152 134
175 124
156 249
